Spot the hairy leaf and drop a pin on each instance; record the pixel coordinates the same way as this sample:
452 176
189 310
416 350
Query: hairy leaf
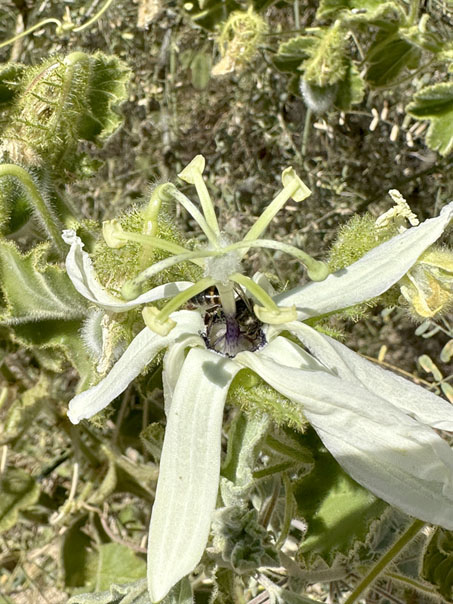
387 57
358 10
338 511
112 562
438 562
435 103
18 491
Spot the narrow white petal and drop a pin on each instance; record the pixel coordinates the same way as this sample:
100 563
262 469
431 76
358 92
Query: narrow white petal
81 272
189 470
173 361
370 276
400 460
414 400
139 353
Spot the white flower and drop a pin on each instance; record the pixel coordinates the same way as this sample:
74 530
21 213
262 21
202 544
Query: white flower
377 425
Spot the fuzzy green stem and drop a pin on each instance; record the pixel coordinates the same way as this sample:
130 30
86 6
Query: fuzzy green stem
30 30
306 132
36 199
408 535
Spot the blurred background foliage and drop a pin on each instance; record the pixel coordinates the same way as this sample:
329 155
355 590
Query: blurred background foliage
356 95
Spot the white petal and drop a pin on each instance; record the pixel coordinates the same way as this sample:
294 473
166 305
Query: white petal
139 353
189 470
81 272
405 463
414 400
173 361
370 276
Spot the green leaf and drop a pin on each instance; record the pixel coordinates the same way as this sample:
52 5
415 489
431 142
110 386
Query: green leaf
18 491
10 77
435 103
350 89
290 54
438 562
338 511
74 552
364 10
24 410
132 593
61 101
107 88
387 57
112 562
35 290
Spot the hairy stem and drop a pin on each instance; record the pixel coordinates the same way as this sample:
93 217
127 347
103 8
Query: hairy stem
409 534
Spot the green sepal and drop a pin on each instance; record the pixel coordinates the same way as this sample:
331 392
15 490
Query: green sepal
388 56
338 511
435 103
18 491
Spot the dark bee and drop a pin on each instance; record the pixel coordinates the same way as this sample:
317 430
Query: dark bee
225 334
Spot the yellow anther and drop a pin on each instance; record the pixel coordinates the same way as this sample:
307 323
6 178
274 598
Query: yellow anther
193 170
290 179
152 320
112 231
284 314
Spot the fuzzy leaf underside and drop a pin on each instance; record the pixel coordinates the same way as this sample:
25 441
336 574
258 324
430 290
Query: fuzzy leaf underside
364 10
435 103
36 291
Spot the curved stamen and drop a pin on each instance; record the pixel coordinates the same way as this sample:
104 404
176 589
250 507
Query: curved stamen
193 174
159 321
316 269
117 234
130 288
195 213
256 291
293 188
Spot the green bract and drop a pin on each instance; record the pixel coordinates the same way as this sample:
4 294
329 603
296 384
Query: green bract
377 425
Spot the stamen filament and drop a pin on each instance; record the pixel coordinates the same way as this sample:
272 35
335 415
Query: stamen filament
206 202
196 215
183 297
160 244
131 289
274 207
317 270
256 291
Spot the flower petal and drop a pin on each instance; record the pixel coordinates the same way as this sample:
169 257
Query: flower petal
173 361
400 460
139 353
81 272
370 276
414 400
189 470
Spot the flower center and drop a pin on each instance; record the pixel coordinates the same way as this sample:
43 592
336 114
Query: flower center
236 324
